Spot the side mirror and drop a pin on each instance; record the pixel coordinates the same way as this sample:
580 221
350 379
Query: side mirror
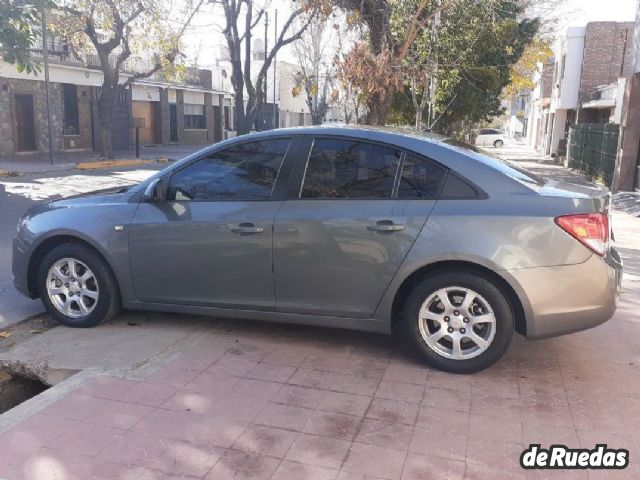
154 191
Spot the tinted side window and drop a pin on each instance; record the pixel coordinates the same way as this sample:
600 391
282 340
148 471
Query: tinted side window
243 172
485 131
349 169
420 178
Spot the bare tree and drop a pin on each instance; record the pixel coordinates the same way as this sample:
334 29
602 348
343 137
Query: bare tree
346 95
314 54
241 18
113 30
420 83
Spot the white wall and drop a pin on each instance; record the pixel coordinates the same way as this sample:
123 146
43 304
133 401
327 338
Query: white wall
288 102
145 93
193 98
57 74
617 113
571 49
557 134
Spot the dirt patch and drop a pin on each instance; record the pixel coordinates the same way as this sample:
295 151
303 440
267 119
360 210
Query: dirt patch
15 389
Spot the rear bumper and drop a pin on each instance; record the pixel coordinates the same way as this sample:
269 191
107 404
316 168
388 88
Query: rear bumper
570 298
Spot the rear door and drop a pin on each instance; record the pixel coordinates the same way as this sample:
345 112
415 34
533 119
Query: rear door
343 232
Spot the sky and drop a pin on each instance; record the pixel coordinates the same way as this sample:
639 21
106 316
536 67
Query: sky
600 10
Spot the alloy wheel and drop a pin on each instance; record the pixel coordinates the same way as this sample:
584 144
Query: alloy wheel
72 287
457 323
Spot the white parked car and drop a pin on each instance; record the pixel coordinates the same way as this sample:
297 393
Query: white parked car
490 137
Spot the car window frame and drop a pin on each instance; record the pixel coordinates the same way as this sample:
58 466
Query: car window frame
283 177
295 193
298 174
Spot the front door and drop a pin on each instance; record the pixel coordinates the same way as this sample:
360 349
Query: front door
25 124
360 208
173 122
210 242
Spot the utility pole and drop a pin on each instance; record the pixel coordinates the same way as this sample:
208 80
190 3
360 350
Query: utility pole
266 75
275 69
45 54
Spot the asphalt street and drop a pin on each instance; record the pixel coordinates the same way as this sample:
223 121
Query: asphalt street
17 194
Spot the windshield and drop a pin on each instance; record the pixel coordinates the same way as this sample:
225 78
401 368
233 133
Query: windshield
503 166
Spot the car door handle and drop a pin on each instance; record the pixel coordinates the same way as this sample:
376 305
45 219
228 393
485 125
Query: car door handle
247 229
385 226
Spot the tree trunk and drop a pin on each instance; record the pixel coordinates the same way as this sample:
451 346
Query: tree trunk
106 101
378 109
418 120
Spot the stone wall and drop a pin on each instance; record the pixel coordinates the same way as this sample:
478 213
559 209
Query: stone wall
9 87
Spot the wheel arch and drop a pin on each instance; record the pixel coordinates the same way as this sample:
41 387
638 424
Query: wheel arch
51 242
459 265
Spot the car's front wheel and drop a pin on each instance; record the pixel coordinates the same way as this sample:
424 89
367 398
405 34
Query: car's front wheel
498 144
77 286
459 322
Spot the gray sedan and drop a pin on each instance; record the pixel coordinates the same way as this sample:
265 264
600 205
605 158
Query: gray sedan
369 229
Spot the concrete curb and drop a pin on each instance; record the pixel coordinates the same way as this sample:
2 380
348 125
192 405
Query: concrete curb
26 409
111 164
137 372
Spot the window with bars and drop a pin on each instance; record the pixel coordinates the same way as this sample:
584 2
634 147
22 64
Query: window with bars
194 117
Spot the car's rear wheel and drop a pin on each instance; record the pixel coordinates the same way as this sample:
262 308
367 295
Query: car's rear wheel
498 144
77 286
459 322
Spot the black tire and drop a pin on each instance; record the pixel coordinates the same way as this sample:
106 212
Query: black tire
498 144
108 303
504 320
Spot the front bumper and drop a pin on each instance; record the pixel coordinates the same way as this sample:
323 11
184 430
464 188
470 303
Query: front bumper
570 298
20 267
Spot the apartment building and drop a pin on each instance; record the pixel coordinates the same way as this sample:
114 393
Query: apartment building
584 86
189 111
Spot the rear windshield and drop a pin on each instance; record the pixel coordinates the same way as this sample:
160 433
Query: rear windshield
503 166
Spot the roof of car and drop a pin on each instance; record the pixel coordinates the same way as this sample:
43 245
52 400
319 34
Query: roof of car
359 130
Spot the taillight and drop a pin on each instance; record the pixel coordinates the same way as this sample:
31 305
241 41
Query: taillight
590 229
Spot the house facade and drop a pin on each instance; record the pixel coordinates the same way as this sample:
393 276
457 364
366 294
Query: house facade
187 112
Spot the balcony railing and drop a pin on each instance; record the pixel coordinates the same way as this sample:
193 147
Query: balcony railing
604 92
132 65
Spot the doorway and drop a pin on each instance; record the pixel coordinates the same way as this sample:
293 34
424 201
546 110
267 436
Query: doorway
173 123
25 123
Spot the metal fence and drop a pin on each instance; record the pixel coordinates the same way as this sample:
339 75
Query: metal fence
593 148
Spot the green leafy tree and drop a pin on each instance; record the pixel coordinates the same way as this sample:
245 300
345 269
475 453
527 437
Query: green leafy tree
477 50
451 54
457 68
20 28
131 40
